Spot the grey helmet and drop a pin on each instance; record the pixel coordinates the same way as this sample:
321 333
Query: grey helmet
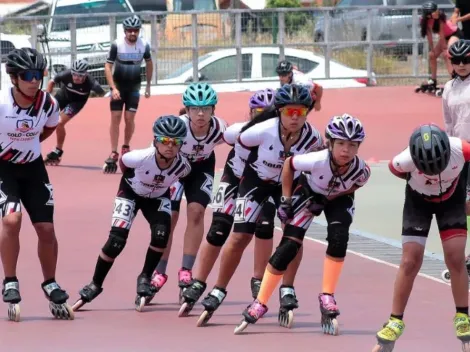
80 66
133 22
169 126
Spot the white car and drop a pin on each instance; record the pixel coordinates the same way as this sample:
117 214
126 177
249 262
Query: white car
259 64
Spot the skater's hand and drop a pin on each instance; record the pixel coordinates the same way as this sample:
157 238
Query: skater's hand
115 94
285 212
147 91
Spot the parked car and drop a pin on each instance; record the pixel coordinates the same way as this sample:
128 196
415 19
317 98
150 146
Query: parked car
259 64
350 24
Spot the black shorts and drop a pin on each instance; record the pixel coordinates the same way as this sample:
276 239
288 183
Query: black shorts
458 33
157 211
450 214
128 99
226 195
26 184
253 194
69 108
197 186
308 204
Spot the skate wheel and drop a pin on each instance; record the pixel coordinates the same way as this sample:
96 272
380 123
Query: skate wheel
417 90
184 310
445 275
330 327
61 311
149 299
465 346
14 312
140 303
77 305
204 318
286 318
180 297
240 327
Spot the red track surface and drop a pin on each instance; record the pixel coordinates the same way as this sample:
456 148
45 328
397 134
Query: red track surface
84 197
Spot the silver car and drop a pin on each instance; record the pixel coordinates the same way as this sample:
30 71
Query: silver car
350 24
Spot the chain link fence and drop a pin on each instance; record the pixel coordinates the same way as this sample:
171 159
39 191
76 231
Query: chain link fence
371 45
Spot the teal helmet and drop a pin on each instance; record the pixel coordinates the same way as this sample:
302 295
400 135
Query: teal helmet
199 94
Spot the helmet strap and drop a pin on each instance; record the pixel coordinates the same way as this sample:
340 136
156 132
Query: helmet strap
333 161
27 97
165 159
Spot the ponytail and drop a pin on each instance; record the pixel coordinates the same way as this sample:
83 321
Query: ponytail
265 115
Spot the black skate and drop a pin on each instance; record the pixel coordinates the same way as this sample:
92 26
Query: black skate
144 290
110 165
288 302
211 303
445 275
255 285
190 296
54 157
11 295
430 87
87 294
58 301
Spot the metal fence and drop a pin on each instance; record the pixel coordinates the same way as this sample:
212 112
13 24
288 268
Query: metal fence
361 43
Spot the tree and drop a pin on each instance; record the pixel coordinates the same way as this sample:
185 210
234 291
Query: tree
293 20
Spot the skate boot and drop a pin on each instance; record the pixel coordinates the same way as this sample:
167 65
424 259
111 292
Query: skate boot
11 295
185 277
288 302
211 303
255 286
125 149
144 290
251 314
190 296
462 330
329 312
388 335
158 281
87 294
429 86
57 300
110 165
54 157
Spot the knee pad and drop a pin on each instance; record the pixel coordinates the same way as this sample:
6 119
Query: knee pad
338 237
159 235
220 229
284 254
116 242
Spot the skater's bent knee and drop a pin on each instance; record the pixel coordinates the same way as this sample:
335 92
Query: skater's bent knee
220 229
116 242
195 213
45 231
410 265
12 221
264 230
284 254
338 237
159 236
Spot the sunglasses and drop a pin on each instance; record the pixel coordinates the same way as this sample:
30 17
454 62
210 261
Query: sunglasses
167 140
290 112
29 75
457 60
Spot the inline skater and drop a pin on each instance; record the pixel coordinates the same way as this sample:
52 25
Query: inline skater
224 207
343 173
205 132
145 186
125 57
75 87
272 139
456 119
434 169
288 74
29 116
434 21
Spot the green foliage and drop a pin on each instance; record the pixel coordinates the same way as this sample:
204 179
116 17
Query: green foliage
273 4
294 21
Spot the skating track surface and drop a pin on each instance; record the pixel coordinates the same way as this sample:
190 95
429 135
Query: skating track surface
84 200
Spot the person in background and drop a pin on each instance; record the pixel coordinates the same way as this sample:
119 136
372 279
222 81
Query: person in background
462 14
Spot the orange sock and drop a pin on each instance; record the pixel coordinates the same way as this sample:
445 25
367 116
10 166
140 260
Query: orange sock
268 285
331 274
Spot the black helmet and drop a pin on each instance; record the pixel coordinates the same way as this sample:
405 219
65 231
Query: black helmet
290 94
132 22
430 149
460 49
19 60
169 126
429 8
284 67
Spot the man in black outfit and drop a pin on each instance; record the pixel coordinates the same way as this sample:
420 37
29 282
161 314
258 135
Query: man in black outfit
462 14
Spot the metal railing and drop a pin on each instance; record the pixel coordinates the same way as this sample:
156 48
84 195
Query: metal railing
361 43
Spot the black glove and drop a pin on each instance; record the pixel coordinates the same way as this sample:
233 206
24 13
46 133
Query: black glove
285 211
